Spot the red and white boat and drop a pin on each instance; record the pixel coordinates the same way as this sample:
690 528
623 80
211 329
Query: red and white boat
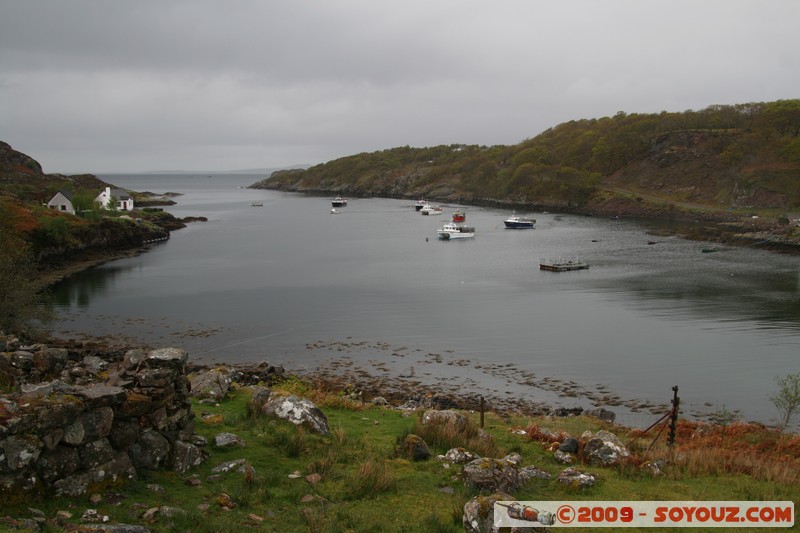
459 215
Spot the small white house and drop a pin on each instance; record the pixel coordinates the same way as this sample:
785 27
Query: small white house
115 199
62 201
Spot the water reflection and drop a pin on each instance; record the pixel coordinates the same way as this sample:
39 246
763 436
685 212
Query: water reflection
79 290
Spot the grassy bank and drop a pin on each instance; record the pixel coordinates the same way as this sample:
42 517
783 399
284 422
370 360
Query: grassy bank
356 480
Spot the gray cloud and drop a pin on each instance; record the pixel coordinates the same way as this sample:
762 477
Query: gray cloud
99 86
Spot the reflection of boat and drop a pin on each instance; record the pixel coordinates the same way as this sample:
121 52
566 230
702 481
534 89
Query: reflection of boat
517 222
429 209
459 215
420 204
335 211
562 265
453 231
339 202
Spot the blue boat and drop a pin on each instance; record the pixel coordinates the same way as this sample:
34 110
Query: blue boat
517 222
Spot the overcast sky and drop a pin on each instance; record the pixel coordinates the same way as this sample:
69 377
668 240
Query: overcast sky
126 86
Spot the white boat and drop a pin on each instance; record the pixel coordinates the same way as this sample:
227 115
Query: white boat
429 209
517 222
339 202
335 211
420 204
453 231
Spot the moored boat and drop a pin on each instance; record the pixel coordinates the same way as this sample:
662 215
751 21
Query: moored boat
453 231
429 209
339 202
517 222
459 215
420 204
335 211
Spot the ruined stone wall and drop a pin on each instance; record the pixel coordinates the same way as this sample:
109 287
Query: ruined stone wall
91 422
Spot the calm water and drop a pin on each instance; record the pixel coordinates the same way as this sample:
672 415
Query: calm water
291 284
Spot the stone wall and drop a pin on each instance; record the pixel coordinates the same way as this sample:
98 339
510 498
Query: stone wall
77 423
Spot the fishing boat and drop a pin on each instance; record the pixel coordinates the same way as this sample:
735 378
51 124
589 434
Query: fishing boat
517 222
256 204
459 215
452 231
335 211
339 202
429 209
420 204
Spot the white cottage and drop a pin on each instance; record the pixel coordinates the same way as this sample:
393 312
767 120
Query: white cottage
62 201
115 199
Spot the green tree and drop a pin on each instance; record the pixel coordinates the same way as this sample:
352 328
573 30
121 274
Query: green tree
86 206
787 399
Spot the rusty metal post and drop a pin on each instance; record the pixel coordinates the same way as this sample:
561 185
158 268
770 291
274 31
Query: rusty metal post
482 407
676 402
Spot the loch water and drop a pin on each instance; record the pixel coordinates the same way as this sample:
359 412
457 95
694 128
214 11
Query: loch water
290 283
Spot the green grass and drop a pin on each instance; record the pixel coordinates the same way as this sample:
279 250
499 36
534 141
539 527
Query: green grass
366 486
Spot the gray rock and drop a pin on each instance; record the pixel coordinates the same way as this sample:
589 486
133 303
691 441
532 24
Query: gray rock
20 451
569 445
228 440
298 411
605 449
491 474
213 384
149 451
459 456
575 478
185 455
563 458
414 447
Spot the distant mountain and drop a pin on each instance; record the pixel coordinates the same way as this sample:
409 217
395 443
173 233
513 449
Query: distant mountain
265 171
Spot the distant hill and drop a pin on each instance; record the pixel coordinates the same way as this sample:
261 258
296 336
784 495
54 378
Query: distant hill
21 177
721 158
263 171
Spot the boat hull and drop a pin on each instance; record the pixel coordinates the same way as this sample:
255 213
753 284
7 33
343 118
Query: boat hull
518 225
449 236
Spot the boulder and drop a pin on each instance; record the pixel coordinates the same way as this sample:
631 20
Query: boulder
458 456
414 447
213 384
478 516
605 449
573 477
228 440
298 411
493 474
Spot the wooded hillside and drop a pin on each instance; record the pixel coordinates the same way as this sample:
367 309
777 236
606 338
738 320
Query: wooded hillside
722 157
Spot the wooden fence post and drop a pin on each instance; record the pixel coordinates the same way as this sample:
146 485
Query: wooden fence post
676 402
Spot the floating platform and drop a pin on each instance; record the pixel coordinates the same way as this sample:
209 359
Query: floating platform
562 265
